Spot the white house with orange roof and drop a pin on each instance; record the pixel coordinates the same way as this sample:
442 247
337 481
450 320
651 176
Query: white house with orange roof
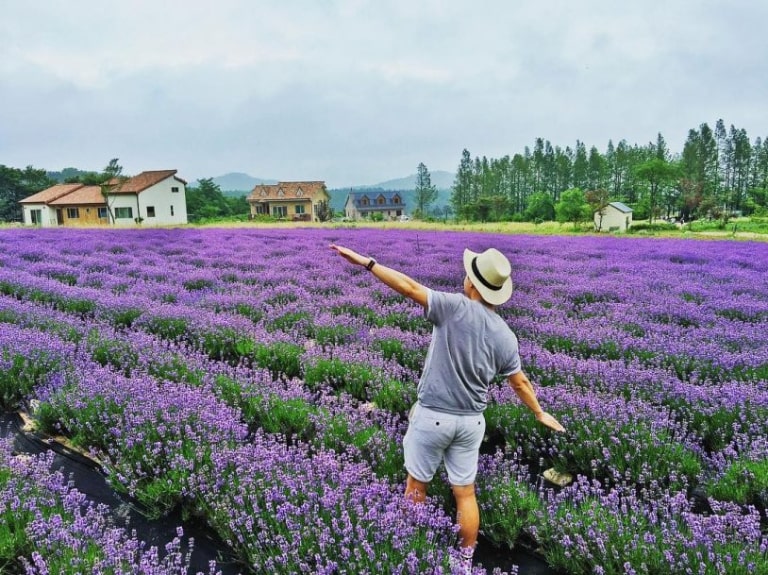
154 198
37 209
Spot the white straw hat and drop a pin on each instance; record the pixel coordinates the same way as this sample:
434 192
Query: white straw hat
490 273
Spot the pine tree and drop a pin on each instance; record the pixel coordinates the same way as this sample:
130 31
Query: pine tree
425 193
462 186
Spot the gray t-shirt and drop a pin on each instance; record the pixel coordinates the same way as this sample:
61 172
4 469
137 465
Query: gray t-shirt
471 345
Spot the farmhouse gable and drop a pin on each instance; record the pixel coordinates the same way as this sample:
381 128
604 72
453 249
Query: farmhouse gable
143 182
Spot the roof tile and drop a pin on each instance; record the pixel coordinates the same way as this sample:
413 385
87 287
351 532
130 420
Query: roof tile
287 190
81 196
143 181
50 194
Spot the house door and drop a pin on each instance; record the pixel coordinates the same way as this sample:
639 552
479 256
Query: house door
59 217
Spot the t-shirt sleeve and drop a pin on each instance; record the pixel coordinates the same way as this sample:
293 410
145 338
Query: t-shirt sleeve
512 365
440 305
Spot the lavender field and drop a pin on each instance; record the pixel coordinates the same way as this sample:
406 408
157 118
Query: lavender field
254 381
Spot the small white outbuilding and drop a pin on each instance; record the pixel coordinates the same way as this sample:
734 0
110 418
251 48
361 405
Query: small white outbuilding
614 217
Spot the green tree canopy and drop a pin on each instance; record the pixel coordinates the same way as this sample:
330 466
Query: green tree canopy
205 201
573 207
540 208
720 172
15 185
324 212
658 173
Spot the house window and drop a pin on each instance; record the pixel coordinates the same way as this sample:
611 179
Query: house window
381 201
279 211
103 213
171 210
123 213
364 201
300 209
175 189
280 193
396 200
150 211
73 213
36 217
299 193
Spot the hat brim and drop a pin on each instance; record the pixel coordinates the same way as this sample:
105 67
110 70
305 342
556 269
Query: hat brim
493 297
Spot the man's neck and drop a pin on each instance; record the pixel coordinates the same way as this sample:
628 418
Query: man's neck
475 296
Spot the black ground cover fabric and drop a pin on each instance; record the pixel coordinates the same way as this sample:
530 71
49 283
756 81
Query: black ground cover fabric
87 478
90 481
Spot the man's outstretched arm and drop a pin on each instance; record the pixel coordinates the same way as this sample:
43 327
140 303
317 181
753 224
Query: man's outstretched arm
524 390
396 280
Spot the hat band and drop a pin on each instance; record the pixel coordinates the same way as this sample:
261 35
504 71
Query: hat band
481 278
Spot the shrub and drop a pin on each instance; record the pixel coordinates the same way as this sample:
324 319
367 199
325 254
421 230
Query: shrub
395 396
280 358
285 512
744 482
605 440
508 503
622 533
352 378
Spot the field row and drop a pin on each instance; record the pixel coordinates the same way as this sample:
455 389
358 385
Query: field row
231 373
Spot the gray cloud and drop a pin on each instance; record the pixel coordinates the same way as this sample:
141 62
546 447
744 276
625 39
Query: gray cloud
357 91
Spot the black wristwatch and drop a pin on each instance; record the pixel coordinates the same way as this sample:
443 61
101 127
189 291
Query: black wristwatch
370 265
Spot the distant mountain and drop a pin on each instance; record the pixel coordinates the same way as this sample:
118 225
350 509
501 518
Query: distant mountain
68 174
441 180
239 182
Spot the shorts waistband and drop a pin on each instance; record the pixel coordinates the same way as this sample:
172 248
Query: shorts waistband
450 412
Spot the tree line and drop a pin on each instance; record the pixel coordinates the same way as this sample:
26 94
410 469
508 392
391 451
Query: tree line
719 173
15 185
206 201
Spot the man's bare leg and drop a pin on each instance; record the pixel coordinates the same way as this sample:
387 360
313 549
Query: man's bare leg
467 515
415 490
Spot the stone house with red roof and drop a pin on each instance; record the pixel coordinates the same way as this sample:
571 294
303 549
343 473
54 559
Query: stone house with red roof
151 198
295 201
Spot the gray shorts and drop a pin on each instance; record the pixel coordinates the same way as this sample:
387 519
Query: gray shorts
434 437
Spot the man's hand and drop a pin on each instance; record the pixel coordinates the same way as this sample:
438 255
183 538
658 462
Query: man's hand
549 421
351 256
398 281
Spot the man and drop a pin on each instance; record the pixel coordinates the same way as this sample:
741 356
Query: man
471 344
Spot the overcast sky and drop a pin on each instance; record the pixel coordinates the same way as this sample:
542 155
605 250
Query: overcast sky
361 91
